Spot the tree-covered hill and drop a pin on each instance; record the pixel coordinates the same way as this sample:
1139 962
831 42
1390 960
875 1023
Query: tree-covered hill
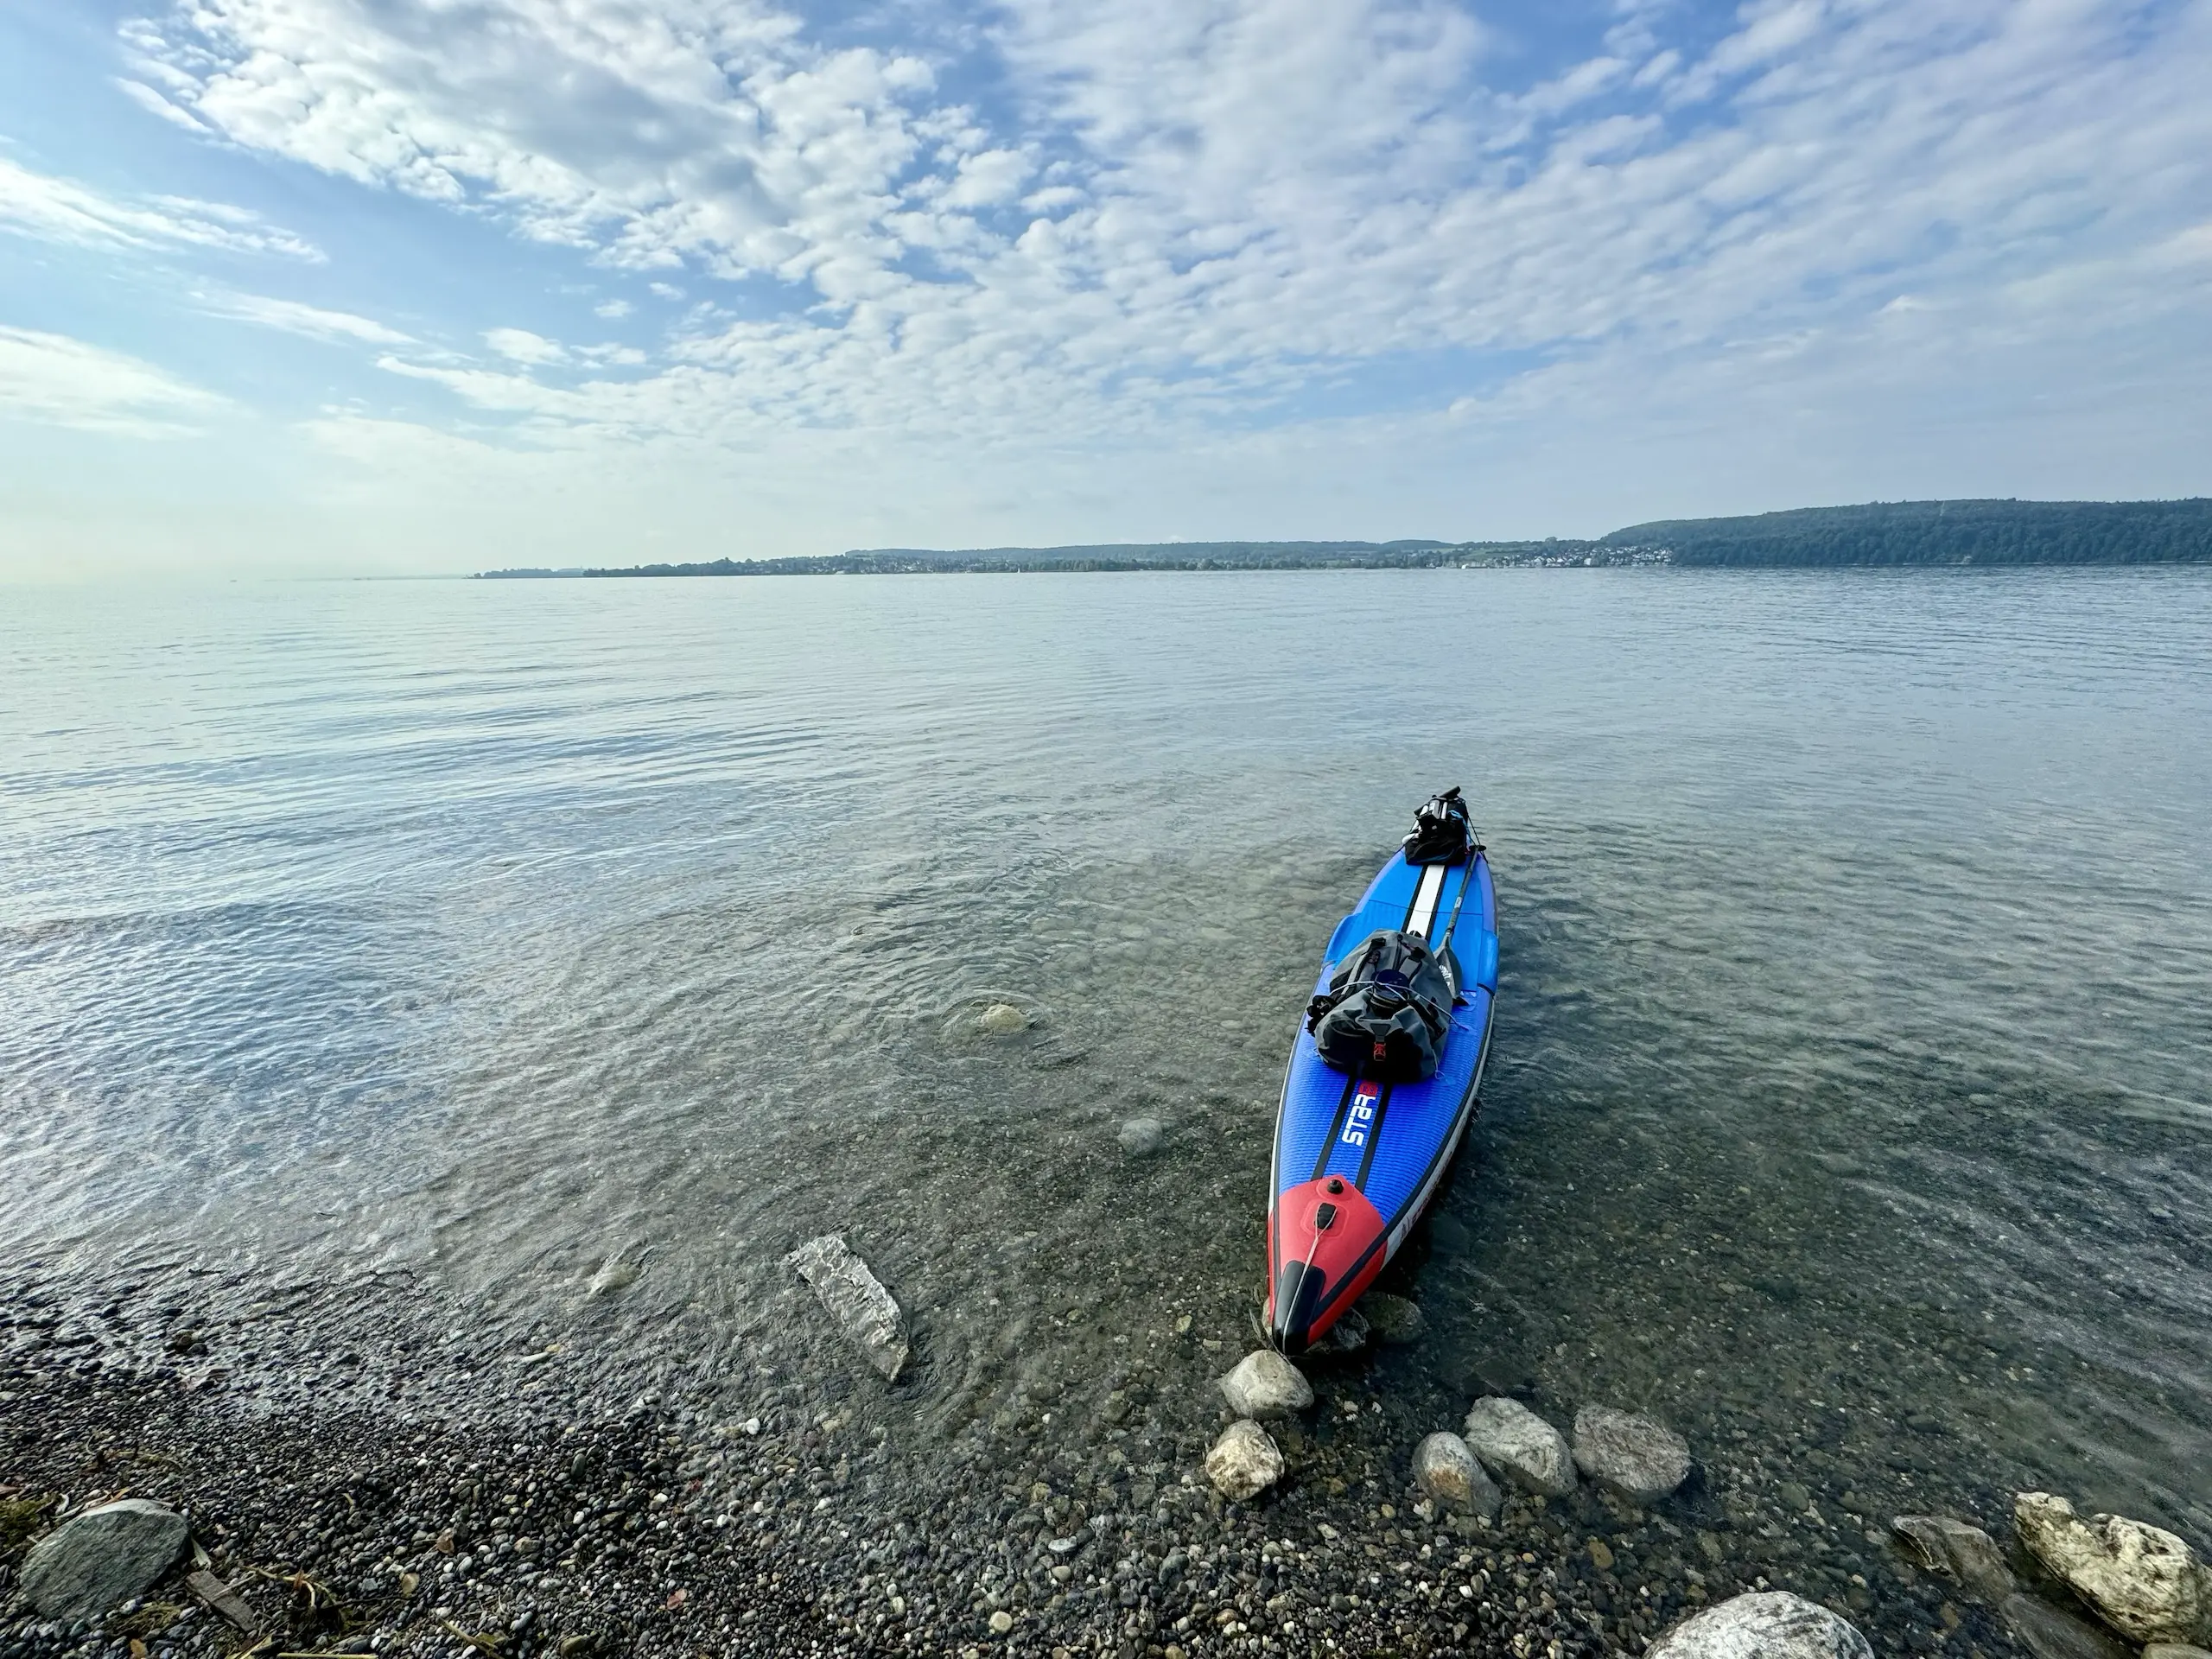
1881 532
1941 533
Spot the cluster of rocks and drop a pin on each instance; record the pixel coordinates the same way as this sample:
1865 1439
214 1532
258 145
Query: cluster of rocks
1639 1460
2108 1585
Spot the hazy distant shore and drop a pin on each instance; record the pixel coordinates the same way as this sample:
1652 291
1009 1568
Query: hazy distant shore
1879 533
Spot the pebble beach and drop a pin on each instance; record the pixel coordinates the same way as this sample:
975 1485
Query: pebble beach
363 1500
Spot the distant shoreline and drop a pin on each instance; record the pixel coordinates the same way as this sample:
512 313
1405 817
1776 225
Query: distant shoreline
872 564
1901 533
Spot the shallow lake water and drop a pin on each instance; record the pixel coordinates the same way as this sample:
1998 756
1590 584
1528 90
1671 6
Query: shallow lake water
568 951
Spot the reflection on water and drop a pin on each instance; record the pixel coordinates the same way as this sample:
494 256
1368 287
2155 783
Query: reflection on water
1852 1048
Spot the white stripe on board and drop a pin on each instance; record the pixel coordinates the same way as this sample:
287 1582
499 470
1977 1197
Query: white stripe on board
1424 898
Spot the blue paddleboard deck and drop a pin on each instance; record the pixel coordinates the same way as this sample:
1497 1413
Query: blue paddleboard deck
1357 1160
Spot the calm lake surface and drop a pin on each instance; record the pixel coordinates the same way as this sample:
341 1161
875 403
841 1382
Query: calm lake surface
1855 1045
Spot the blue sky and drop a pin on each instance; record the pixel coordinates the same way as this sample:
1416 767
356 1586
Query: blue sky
336 286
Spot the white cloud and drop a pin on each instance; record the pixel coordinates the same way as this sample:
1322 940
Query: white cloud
55 380
985 180
154 104
1240 191
520 345
689 129
60 210
613 310
293 317
1244 264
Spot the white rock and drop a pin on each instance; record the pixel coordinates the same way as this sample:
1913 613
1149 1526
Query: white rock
2140 1580
1774 1625
1517 1446
1244 1461
1001 1019
1140 1136
2174 1651
1642 1460
855 1299
1446 1470
88 1566
1265 1384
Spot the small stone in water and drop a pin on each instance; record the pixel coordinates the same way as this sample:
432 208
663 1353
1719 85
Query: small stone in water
1140 1136
1001 1019
1968 1553
1347 1336
1394 1319
2046 1633
1642 1460
1517 1445
858 1302
614 1273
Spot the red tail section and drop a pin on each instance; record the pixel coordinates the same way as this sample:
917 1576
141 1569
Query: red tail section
1325 1247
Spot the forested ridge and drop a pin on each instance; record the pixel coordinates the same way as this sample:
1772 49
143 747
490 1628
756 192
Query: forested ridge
1941 533
1877 533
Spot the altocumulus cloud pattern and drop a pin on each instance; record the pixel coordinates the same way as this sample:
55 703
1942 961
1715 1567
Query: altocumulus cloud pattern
1134 267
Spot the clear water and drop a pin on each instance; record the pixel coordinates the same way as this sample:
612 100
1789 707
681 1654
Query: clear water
1854 1052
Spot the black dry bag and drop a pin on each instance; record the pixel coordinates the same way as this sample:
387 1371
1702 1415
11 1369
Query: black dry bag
1386 1011
1442 834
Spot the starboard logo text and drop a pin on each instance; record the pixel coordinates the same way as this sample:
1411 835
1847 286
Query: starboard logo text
1361 1120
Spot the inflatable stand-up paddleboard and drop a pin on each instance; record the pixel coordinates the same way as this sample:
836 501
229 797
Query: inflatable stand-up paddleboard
1384 1079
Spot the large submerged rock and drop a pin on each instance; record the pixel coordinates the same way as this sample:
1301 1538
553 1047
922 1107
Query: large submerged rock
88 1566
1447 1471
2140 1580
1517 1446
1244 1461
1772 1625
1265 1384
1642 1460
1968 1553
855 1299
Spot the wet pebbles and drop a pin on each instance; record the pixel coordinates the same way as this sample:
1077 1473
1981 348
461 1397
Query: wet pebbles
416 1496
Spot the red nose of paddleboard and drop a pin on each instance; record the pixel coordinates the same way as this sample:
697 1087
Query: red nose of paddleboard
1325 1247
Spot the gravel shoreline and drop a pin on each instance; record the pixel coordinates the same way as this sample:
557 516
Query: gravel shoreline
404 1496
